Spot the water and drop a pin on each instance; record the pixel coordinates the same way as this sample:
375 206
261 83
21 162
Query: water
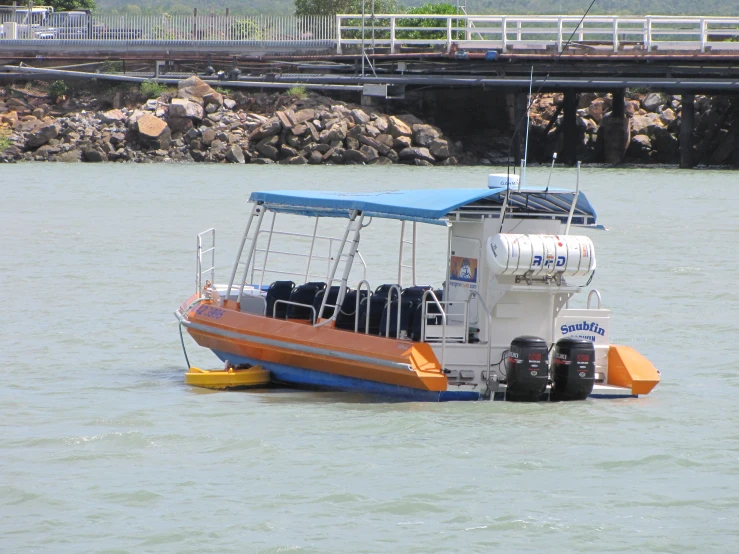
104 449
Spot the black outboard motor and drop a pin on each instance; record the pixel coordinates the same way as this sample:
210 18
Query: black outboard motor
527 369
573 371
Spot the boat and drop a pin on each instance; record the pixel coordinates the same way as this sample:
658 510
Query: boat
496 325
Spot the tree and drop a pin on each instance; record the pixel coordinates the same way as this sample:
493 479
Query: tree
69 5
333 7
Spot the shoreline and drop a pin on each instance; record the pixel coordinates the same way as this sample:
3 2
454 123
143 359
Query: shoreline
198 124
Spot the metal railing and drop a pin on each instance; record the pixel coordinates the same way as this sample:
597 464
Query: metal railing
175 28
201 254
394 31
386 31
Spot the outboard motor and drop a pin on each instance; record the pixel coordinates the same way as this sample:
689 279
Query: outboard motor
527 369
573 371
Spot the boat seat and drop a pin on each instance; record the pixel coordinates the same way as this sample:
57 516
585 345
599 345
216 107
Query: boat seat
376 305
407 307
331 297
433 316
384 290
347 312
279 290
304 294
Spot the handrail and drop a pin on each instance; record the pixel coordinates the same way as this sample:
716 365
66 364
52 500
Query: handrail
199 254
597 294
356 311
489 329
291 303
389 304
443 322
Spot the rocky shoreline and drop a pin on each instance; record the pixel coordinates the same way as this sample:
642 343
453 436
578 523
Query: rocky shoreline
199 124
196 123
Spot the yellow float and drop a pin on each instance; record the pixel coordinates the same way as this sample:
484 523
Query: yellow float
229 378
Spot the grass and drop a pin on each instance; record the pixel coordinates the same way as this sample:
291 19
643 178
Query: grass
150 89
5 141
298 91
57 89
222 91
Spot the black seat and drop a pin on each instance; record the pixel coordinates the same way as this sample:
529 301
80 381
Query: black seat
347 312
304 294
279 290
433 316
376 305
407 307
331 297
384 290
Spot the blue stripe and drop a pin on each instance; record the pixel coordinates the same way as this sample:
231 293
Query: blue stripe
318 379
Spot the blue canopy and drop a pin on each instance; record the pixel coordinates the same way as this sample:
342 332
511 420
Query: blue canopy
423 205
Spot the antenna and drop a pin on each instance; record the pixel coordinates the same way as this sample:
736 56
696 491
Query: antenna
551 169
528 125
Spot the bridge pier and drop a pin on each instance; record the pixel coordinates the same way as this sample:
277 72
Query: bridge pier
686 131
569 127
616 132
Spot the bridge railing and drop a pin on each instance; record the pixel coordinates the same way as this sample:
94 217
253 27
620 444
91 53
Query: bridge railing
172 28
395 32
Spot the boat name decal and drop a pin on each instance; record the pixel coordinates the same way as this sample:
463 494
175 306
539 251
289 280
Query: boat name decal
592 327
210 312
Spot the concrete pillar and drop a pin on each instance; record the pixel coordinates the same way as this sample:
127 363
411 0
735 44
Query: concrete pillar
616 130
569 127
519 118
687 123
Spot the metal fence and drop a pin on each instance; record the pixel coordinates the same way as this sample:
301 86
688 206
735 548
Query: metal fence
166 28
391 32
537 32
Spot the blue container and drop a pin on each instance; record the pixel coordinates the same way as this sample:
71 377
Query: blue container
491 55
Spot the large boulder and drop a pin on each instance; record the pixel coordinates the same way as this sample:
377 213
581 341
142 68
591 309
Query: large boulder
194 88
652 102
235 155
42 136
416 153
439 148
398 128
266 130
424 135
154 132
114 116
185 108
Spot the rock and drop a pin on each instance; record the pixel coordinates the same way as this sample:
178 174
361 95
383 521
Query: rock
297 160
380 123
262 161
194 88
38 113
42 136
213 98
229 104
11 119
398 128
644 124
424 135
336 132
315 158
382 160
46 151
94 155
360 116
439 148
266 147
235 155
207 137
353 157
352 143
451 160
410 120
114 116
117 138
639 148
402 142
288 152
652 102
180 124
597 109
631 108
382 148
722 154
72 156
667 116
416 153
393 156
665 146
266 130
185 109
423 163
370 154
154 131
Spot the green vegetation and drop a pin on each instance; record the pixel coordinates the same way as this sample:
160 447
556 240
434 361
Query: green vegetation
297 91
57 89
111 66
426 9
5 141
58 5
151 89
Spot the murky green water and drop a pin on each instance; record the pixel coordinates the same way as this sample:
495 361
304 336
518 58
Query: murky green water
104 449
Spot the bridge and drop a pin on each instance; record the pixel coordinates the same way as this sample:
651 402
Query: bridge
387 55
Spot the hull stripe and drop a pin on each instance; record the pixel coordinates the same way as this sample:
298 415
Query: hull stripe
296 347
